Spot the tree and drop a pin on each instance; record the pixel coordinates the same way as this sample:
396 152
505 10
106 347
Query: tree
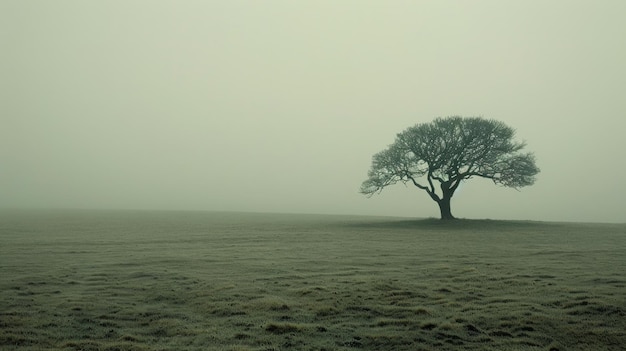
449 151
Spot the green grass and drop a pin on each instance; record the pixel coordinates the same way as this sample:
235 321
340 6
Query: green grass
132 280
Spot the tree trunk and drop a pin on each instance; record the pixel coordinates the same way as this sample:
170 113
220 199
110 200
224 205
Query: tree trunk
444 207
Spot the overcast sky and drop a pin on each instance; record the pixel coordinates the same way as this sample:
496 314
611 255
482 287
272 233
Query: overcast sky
278 106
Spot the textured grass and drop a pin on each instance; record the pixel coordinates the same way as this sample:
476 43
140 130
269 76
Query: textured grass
105 280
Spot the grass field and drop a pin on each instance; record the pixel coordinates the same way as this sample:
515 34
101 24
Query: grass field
132 280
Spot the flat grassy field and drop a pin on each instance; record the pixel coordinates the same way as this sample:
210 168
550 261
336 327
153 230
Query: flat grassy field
133 280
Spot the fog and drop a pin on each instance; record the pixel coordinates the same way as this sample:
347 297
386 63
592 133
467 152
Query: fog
278 106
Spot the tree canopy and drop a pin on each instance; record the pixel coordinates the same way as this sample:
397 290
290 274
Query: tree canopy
448 151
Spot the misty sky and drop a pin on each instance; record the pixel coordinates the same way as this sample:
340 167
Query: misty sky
278 106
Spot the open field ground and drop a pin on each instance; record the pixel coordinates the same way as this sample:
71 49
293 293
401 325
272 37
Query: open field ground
132 280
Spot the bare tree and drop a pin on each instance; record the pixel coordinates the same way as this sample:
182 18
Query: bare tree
448 151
